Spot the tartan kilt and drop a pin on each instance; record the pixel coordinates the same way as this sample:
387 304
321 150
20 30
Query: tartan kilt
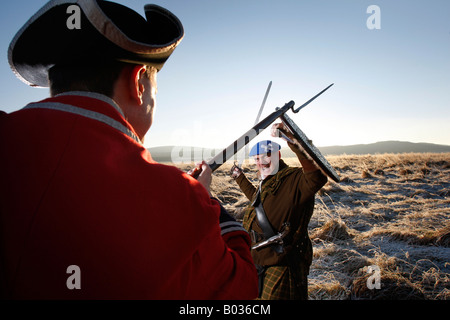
279 284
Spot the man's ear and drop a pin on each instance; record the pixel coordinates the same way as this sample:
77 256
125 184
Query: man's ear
136 85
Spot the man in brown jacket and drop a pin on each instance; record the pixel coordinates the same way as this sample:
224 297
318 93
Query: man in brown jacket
285 196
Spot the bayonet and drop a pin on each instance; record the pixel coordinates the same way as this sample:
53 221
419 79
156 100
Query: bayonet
311 100
282 135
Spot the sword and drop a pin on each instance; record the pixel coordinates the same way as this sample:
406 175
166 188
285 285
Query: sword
257 119
263 103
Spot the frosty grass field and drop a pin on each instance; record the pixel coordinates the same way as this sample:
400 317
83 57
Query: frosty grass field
390 211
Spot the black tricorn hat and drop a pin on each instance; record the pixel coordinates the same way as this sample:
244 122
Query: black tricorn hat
69 31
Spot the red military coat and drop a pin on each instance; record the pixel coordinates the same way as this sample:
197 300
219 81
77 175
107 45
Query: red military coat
77 188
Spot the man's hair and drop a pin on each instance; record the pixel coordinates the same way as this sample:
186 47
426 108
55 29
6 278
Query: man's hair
98 77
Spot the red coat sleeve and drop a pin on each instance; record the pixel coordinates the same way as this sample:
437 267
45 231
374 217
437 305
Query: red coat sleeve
223 265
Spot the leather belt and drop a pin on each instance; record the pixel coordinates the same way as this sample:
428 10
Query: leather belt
263 221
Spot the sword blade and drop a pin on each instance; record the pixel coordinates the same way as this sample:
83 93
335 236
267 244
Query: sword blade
263 103
241 160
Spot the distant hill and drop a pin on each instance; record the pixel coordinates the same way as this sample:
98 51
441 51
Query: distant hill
189 154
386 147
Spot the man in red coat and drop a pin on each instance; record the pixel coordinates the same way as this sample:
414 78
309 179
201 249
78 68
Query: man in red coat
85 213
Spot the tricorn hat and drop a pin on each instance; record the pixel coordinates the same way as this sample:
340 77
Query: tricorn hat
68 31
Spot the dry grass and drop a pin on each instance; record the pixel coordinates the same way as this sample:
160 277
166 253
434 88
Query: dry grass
390 210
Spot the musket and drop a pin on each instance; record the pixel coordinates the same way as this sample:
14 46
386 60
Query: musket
220 158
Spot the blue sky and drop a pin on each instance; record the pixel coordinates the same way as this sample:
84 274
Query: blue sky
391 83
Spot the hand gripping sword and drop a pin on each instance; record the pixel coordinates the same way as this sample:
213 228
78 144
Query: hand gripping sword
238 144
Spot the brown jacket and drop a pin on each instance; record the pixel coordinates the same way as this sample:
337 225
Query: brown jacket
287 196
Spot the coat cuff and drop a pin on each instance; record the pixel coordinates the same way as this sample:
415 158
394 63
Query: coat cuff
227 223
